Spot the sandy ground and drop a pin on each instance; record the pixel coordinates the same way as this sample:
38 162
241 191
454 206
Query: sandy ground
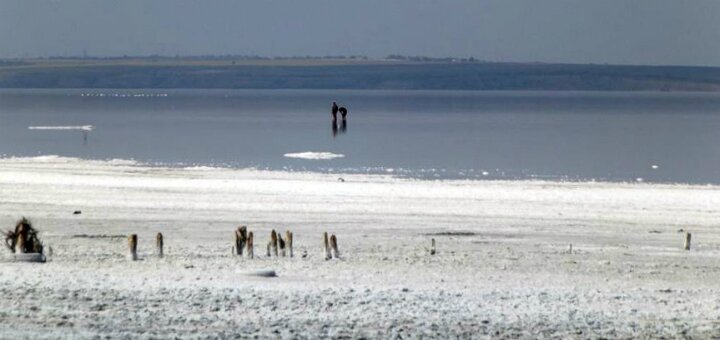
502 270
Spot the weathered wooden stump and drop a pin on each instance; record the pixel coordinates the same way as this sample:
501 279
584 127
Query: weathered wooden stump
327 246
240 239
432 247
688 237
159 245
23 239
132 245
273 244
334 247
289 242
281 244
250 253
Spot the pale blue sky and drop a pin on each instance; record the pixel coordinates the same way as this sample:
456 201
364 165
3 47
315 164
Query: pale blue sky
601 31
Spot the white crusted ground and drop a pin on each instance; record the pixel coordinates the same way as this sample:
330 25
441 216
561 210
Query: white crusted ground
508 275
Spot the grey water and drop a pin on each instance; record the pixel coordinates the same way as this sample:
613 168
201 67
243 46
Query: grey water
604 136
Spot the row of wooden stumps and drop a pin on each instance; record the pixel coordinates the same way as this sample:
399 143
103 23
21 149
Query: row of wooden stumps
277 246
244 245
133 242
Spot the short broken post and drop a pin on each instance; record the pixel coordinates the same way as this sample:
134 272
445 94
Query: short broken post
132 244
250 252
334 247
159 244
22 236
240 239
272 244
281 244
432 247
688 237
327 246
289 242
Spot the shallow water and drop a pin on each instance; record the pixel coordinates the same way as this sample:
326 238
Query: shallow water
652 137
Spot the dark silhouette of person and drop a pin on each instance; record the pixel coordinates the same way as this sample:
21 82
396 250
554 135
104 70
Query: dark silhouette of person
334 111
334 128
343 112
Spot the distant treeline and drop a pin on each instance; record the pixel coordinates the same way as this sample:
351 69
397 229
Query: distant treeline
226 57
437 75
259 57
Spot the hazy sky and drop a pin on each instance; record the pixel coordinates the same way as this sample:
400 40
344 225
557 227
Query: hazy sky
602 31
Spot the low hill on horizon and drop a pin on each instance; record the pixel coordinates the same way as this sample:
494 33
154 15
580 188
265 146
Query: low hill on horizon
197 73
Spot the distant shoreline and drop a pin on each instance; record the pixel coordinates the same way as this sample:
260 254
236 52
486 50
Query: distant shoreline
349 73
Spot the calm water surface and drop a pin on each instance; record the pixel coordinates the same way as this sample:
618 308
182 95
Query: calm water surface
658 137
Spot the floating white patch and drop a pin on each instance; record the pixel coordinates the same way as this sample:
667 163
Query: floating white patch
314 155
78 127
654 166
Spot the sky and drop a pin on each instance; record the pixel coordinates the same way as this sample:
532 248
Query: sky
648 32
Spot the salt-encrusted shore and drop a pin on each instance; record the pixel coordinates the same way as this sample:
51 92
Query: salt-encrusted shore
502 269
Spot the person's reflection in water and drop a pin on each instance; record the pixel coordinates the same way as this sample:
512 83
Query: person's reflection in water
334 128
343 126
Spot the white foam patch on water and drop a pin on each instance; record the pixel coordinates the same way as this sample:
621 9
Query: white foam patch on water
314 155
69 127
61 160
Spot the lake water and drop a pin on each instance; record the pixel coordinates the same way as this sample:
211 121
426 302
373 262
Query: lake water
653 137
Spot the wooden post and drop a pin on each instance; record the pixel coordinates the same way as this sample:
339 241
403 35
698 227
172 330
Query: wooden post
250 252
432 247
132 244
281 243
159 244
327 246
22 235
273 243
334 247
240 239
688 236
288 241
273 239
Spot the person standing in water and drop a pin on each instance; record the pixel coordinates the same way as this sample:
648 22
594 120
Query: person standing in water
343 125
334 111
343 112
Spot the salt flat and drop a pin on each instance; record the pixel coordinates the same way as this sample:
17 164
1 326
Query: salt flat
502 269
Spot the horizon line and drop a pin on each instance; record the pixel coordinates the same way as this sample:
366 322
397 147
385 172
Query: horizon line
391 58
